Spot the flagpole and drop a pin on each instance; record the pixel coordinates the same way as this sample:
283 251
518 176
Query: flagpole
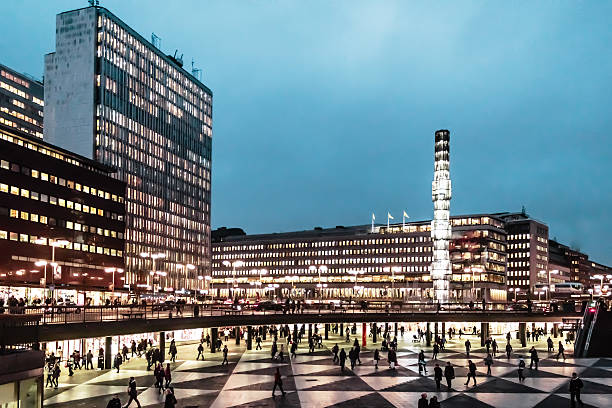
387 222
373 217
403 221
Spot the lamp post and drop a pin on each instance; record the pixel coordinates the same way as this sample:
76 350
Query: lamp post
54 243
321 268
393 270
234 265
355 273
188 267
154 256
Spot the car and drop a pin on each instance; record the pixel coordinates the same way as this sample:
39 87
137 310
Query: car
268 305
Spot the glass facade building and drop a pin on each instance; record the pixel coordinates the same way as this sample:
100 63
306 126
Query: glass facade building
21 102
130 106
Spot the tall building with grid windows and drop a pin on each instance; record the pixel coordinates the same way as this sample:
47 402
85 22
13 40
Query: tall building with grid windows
21 102
113 96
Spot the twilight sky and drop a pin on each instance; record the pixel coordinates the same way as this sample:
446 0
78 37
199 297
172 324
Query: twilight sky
324 111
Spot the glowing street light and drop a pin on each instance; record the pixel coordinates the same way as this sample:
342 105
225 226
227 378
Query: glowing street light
113 270
234 265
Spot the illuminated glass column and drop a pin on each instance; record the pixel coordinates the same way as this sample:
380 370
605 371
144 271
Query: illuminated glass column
440 226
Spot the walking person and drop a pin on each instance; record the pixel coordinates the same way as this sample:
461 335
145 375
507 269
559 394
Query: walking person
471 372
281 353
172 351
225 350
376 358
488 362
561 351
170 401
494 347
352 357
534 358
132 393
342 359
468 346
115 402
56 375
117 362
423 403
508 350
437 376
335 351
168 375
521 368
200 351
133 348
89 359
436 349
278 382
549 343
449 374
422 363
125 351
575 385
294 347
160 375
258 341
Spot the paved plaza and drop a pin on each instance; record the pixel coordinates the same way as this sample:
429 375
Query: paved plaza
312 380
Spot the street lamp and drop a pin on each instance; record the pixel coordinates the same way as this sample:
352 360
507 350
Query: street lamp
321 268
234 265
113 270
188 267
54 243
154 256
355 273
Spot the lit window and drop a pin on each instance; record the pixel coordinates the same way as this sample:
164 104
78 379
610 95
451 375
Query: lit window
3 234
14 213
4 188
34 217
15 190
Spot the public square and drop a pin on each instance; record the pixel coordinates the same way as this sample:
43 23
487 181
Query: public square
312 380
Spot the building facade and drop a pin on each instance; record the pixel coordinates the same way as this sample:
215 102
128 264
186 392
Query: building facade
527 255
360 263
62 220
113 96
21 102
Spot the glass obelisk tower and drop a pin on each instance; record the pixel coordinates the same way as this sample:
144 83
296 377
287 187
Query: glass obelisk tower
440 226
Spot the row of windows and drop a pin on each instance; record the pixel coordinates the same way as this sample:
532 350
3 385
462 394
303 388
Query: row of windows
524 245
43 219
518 264
15 79
518 282
33 195
75 246
292 254
331 270
518 273
20 115
14 167
12 124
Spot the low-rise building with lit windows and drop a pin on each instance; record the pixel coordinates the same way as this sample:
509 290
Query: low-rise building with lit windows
21 102
61 220
359 262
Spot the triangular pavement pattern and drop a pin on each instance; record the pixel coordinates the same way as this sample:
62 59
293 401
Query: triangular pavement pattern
318 399
510 400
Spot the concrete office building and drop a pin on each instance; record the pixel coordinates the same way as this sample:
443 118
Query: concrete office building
354 261
113 96
21 102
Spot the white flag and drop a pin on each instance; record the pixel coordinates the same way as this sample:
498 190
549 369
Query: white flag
373 217
406 215
389 215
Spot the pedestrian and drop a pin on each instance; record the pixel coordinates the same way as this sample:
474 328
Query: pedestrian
50 376
376 358
550 344
114 402
422 363
225 350
132 393
437 376
508 350
534 358
56 375
172 351
89 359
352 358
342 359
392 358
160 375
118 361
170 401
357 351
494 347
449 374
200 351
226 334
488 362
273 350
133 348
423 403
258 341
434 403
561 351
335 351
508 337
167 375
521 368
575 385
436 349
278 382
125 351
281 353
471 372
468 346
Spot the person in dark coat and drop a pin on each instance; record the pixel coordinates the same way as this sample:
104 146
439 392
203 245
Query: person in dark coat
335 351
438 376
115 402
376 357
534 358
278 382
449 374
434 403
225 350
423 403
200 352
342 359
132 393
471 372
170 401
575 385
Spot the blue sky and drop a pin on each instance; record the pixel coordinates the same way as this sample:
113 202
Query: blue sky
324 111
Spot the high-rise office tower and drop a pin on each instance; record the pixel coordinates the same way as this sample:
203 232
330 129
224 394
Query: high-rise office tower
440 225
113 96
21 102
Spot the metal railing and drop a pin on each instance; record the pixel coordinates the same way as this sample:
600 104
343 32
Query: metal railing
84 314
